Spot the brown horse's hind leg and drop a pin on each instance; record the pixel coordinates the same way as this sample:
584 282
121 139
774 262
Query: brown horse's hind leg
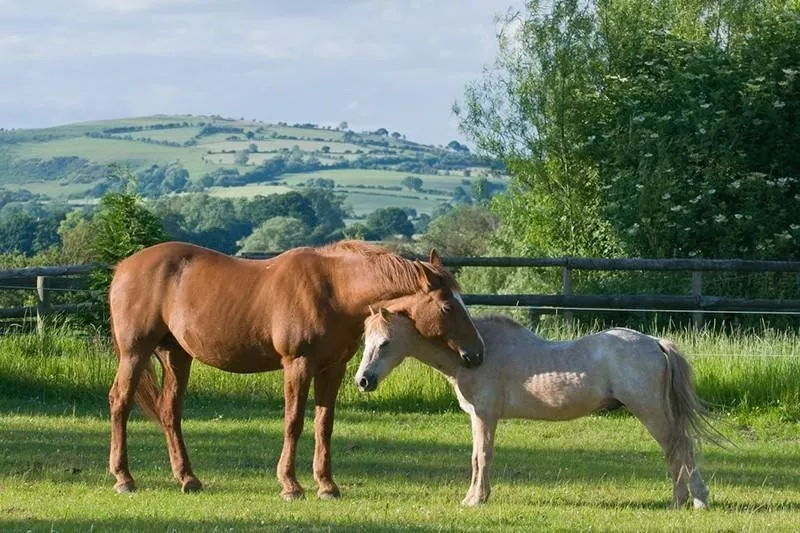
177 365
296 382
120 400
326 388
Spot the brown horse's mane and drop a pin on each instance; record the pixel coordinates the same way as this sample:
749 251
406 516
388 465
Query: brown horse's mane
406 273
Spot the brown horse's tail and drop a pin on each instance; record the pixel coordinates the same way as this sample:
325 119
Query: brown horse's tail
687 413
148 393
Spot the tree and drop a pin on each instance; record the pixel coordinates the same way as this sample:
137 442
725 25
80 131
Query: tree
650 128
413 183
77 233
389 221
464 231
325 149
276 234
242 157
343 126
382 132
121 226
252 148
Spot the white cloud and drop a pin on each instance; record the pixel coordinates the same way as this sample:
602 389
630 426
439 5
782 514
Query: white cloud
117 56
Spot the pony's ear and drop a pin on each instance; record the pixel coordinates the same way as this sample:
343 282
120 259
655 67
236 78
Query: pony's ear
435 260
371 310
385 314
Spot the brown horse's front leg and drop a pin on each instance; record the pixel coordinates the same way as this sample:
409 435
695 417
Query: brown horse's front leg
296 382
483 430
326 388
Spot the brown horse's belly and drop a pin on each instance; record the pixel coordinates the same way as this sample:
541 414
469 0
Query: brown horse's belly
239 359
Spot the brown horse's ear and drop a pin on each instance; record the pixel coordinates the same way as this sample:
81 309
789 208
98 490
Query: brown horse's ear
435 260
428 278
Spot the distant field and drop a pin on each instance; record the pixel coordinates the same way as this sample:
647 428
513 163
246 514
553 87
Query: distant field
52 189
206 155
248 191
100 150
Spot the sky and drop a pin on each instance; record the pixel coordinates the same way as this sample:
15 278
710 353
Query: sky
398 64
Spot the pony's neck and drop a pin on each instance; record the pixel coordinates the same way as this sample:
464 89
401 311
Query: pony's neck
438 358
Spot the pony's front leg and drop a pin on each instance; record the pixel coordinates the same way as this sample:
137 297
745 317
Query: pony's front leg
326 388
483 430
296 382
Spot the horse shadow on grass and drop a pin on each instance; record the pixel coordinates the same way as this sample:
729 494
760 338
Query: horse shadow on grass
79 455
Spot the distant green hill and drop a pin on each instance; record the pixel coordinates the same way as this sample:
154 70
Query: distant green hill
226 157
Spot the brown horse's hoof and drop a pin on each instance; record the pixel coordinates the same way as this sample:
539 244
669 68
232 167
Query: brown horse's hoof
290 496
329 494
191 485
125 487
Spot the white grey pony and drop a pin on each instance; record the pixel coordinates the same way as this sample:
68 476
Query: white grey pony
525 376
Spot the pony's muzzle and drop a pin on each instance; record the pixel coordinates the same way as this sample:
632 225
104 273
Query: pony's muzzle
471 359
367 383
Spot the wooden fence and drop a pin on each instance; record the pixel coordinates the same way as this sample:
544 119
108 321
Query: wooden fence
73 277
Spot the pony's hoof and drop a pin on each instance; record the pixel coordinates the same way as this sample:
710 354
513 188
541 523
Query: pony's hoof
700 504
470 501
292 495
191 485
125 487
329 494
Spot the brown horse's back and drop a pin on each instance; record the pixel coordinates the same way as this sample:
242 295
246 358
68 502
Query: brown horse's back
215 306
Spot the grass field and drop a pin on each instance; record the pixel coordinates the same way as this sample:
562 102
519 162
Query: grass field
401 454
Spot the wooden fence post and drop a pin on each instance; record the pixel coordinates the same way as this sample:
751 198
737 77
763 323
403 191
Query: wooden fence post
697 292
42 303
566 282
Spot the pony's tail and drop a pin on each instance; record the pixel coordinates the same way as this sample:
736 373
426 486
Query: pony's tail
688 414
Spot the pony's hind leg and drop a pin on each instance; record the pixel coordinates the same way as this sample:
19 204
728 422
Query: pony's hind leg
674 446
177 365
120 401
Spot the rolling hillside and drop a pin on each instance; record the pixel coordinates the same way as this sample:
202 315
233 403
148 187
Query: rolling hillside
240 158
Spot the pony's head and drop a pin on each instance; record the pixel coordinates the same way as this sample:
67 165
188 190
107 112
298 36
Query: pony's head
438 313
388 339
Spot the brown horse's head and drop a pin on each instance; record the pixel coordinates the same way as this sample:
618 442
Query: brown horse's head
439 314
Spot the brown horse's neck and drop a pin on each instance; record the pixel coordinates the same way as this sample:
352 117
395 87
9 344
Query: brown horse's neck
361 284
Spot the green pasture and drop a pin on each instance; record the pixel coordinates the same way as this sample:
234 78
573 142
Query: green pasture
172 134
248 191
53 189
100 150
389 178
401 455
362 202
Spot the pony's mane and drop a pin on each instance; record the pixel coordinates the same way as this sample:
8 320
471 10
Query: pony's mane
499 319
406 273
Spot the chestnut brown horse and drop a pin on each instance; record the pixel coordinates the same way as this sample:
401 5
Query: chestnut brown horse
302 311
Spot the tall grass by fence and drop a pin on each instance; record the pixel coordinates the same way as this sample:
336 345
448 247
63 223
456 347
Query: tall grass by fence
733 371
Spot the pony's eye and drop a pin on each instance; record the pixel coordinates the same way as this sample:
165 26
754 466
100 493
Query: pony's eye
383 344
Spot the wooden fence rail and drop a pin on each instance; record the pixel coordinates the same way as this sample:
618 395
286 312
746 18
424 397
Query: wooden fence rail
46 279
